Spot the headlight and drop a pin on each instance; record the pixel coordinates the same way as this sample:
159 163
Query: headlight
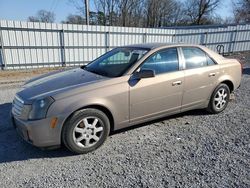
39 108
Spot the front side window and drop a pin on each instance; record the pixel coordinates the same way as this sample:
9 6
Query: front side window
163 61
196 58
116 62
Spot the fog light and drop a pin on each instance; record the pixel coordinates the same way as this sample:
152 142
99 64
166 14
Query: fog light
53 122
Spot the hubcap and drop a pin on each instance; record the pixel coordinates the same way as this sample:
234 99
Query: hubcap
87 132
220 99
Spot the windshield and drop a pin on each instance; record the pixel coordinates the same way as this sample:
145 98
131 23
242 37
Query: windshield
116 62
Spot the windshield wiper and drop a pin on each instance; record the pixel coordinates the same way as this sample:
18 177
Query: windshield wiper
101 73
83 67
95 72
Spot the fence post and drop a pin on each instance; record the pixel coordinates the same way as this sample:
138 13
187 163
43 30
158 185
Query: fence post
144 38
2 52
107 41
173 38
62 44
204 39
235 37
232 41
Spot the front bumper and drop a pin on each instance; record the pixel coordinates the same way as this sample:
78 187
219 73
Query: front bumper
38 132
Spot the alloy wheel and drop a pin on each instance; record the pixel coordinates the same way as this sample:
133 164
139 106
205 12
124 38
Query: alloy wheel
220 99
87 132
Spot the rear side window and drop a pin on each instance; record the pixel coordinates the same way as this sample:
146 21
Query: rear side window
196 58
210 61
163 61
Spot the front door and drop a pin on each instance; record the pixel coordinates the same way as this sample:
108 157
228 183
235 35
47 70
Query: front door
159 95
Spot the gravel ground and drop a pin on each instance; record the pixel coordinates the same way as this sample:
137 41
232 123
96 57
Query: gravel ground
193 149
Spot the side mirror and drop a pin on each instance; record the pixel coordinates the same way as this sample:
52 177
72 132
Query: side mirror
144 73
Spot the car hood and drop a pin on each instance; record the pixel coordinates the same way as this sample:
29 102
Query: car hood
52 83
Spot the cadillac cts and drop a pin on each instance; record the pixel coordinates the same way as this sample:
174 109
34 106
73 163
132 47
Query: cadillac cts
126 86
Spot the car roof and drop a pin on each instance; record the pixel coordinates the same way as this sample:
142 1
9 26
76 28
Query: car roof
159 45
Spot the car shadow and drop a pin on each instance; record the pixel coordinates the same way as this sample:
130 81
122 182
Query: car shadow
13 148
199 112
246 71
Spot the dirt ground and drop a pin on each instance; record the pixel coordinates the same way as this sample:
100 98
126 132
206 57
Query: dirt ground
8 76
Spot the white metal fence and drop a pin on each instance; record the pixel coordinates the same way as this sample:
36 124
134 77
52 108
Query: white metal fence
30 45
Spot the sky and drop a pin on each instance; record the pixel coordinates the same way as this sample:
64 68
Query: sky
22 9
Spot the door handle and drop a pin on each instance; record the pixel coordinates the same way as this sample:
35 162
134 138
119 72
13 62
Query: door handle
211 74
176 83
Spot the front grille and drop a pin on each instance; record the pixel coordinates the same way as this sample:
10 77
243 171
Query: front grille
17 107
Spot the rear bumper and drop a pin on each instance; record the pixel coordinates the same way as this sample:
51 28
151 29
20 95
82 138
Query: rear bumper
39 133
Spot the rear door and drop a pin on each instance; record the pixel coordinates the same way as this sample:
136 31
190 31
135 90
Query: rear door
159 95
201 74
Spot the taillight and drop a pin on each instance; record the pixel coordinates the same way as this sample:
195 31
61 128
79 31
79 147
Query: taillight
241 64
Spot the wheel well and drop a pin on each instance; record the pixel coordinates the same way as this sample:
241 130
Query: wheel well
229 84
105 111
98 107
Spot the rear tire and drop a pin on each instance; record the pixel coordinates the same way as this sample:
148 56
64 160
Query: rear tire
85 131
219 99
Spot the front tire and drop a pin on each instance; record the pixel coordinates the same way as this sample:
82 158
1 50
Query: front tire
219 99
85 131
